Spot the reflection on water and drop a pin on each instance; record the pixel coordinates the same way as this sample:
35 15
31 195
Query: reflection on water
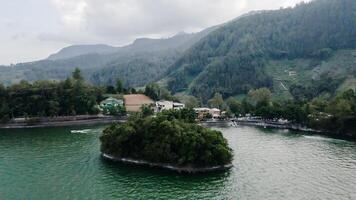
65 163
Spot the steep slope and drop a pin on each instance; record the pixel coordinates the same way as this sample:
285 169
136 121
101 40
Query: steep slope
138 70
233 58
149 59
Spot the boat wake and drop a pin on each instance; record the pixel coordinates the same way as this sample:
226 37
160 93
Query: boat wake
81 131
323 138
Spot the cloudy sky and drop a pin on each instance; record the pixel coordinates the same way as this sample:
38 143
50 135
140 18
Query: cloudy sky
33 29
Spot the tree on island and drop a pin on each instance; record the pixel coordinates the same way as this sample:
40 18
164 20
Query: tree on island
171 137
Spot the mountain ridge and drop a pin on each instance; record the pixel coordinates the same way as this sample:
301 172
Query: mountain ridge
232 59
91 59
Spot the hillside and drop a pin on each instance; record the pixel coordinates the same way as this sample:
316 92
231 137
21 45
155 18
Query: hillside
137 70
246 52
149 59
305 78
103 64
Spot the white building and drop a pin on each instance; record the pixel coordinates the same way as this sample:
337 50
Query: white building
215 113
204 112
168 105
178 106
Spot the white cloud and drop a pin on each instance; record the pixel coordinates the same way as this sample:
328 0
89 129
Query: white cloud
118 21
71 12
50 24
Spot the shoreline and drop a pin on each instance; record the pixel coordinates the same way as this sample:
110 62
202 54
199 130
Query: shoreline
188 170
292 127
21 123
277 126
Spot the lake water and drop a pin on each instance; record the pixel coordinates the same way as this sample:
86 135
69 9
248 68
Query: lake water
65 163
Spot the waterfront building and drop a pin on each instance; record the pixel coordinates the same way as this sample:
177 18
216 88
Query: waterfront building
168 105
215 113
202 112
110 103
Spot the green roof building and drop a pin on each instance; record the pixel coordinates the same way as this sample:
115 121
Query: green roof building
111 102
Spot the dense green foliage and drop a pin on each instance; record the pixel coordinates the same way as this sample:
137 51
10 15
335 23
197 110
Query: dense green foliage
232 60
217 101
169 138
156 92
114 110
135 70
325 85
336 115
49 98
307 78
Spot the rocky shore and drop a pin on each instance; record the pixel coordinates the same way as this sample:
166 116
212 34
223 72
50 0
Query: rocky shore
189 170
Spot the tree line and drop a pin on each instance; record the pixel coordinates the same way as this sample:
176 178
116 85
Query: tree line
50 98
337 114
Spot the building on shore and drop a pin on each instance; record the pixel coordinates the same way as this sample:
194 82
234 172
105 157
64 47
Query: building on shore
134 102
110 103
168 105
178 106
215 113
203 113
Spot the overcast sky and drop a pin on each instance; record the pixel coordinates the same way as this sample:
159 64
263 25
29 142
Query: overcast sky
33 29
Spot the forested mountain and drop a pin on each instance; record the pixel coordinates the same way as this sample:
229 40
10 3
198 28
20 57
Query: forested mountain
51 70
137 70
181 41
243 54
149 62
102 64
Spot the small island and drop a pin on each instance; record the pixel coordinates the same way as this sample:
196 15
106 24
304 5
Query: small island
171 140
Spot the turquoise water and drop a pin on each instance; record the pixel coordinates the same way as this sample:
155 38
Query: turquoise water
65 163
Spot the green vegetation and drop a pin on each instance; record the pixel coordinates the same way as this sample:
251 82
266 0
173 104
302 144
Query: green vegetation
189 100
313 77
337 115
135 70
217 101
49 98
171 137
115 110
236 57
156 92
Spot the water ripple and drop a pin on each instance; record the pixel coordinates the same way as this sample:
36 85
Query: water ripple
65 163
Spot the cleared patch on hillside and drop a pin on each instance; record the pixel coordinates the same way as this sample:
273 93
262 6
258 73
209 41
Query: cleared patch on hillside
285 73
